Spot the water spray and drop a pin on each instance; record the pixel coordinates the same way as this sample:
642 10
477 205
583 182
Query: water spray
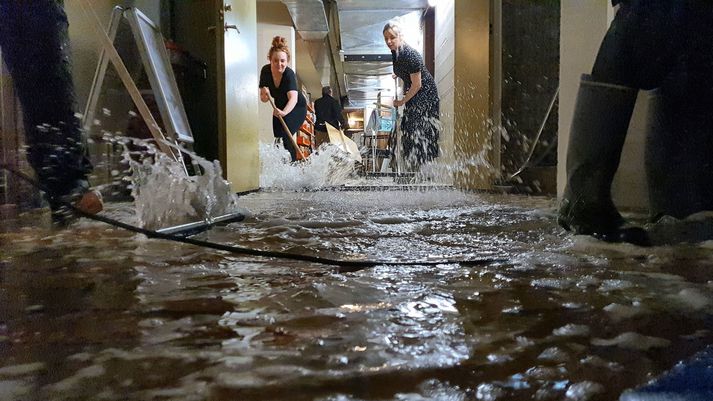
341 266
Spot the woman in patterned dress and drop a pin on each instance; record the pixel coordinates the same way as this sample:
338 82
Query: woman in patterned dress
420 125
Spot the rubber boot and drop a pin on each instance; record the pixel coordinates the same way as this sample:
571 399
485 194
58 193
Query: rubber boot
80 197
679 166
599 126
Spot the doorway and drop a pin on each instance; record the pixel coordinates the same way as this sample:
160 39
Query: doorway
190 25
529 83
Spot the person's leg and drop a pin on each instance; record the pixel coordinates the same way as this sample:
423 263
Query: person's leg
597 134
638 51
320 137
287 144
34 42
432 129
642 44
279 132
409 144
420 129
294 121
679 167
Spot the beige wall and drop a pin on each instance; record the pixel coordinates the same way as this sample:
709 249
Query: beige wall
472 136
85 49
583 25
309 77
444 51
462 63
85 43
462 59
240 98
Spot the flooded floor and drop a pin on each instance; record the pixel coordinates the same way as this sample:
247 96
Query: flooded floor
98 313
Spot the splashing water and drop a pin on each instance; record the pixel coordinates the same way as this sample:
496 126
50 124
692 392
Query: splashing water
165 196
327 167
456 162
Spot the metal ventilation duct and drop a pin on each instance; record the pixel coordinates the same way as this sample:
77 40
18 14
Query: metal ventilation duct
309 18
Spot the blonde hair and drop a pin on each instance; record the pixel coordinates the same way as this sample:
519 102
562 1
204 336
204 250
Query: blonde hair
279 44
394 27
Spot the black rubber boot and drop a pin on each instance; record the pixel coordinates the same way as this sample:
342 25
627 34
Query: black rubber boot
62 214
599 126
679 166
81 198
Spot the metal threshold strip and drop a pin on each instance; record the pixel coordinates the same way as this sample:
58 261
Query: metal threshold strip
196 227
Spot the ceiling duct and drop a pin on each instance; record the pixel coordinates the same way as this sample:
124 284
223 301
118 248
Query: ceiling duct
309 18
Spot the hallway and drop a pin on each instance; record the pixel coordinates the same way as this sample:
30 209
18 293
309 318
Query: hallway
336 279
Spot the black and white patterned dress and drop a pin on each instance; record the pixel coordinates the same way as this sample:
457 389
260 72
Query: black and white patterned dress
420 125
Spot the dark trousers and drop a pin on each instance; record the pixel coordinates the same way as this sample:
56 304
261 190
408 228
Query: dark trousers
287 144
642 43
35 48
320 137
279 132
667 45
652 41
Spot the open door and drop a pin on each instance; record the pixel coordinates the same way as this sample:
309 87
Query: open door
236 34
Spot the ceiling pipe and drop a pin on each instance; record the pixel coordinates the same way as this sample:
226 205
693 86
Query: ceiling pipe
309 18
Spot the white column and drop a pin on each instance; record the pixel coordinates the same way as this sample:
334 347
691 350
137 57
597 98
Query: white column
583 24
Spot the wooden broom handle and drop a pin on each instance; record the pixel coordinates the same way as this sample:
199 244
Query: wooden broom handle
287 131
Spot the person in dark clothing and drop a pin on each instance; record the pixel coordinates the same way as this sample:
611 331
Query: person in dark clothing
328 110
278 80
420 125
664 44
35 47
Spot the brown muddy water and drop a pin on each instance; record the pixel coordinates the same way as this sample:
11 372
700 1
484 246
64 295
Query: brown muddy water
96 313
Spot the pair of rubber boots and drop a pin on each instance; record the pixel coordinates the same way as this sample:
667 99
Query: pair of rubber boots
599 127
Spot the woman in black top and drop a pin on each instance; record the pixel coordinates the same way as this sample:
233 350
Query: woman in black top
278 80
420 125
